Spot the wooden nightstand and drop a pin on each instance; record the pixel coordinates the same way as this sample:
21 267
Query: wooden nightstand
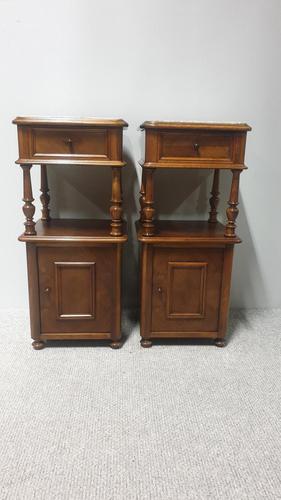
74 265
186 265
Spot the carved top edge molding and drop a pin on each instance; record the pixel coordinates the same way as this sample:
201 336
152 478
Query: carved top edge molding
231 126
94 122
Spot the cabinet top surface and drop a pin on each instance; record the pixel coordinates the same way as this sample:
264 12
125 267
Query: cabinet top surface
231 126
74 231
188 231
64 121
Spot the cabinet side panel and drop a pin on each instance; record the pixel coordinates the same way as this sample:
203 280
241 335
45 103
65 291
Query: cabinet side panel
116 294
225 290
33 288
146 290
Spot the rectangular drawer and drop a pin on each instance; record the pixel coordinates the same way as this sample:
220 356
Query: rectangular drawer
196 147
70 142
77 145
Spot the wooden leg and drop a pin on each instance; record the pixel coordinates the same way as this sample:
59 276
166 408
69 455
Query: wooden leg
142 195
28 207
116 344
214 200
220 342
38 345
45 197
116 200
146 343
232 211
148 202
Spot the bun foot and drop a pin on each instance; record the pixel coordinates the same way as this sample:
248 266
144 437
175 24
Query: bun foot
220 342
146 343
116 344
38 345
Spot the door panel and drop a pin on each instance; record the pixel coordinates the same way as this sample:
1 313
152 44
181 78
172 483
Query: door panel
76 293
71 278
186 289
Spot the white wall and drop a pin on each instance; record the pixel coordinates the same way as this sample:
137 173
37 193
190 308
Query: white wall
152 59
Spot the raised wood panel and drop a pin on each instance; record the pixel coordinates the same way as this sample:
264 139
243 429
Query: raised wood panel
186 290
76 290
76 293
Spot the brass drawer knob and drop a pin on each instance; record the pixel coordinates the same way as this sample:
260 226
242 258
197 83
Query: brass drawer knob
47 289
159 289
68 141
196 146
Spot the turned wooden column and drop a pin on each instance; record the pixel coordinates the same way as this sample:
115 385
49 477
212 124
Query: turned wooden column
232 211
45 197
28 207
148 204
214 200
116 200
142 194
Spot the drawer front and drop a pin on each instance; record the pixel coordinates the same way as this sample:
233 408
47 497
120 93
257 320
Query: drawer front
186 289
76 292
195 147
63 142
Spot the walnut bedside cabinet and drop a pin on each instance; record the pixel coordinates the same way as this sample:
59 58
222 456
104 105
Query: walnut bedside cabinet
186 265
74 265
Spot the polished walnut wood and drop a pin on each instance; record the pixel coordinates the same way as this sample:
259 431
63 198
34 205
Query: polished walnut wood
214 200
232 211
45 197
74 265
74 231
148 204
186 265
77 142
194 145
28 207
116 200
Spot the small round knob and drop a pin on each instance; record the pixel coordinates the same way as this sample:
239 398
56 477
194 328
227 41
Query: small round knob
159 289
196 146
68 141
47 289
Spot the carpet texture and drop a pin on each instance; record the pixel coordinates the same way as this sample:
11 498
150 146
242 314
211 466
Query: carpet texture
171 422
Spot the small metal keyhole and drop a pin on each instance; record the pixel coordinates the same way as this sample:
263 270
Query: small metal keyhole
196 146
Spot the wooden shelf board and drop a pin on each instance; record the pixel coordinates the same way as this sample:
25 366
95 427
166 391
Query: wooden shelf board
65 161
73 230
196 164
168 231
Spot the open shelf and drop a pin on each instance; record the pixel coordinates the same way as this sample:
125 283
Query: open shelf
71 230
187 232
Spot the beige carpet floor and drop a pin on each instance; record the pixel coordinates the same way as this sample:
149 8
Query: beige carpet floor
172 422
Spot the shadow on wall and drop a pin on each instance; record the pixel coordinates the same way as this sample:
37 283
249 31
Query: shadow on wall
184 194
181 194
85 192
248 288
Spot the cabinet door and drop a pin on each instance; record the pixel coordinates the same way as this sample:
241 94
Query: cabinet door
76 291
186 289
